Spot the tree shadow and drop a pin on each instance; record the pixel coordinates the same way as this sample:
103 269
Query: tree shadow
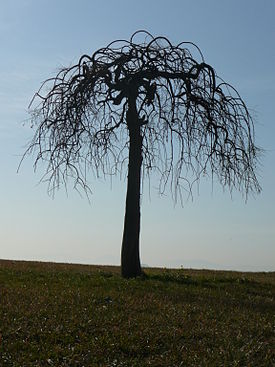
179 277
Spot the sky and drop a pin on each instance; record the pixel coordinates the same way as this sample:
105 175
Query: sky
213 230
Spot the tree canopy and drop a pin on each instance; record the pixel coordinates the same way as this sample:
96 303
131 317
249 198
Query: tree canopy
191 119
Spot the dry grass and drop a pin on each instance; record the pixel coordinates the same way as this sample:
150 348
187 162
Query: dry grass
79 315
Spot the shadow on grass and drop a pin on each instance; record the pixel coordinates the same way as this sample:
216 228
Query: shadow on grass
202 281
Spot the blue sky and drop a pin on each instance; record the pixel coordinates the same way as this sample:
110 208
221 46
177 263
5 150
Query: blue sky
212 231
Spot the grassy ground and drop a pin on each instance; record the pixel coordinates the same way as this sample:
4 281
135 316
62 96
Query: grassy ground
76 315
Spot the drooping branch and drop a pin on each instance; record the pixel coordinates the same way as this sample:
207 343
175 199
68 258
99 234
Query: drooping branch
190 119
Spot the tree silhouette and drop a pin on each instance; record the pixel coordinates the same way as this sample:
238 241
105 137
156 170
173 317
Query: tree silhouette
153 105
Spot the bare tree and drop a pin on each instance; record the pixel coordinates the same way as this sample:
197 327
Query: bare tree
149 103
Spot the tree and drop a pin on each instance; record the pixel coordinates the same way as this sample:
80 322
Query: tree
154 102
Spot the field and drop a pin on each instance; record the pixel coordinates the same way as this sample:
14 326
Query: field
78 315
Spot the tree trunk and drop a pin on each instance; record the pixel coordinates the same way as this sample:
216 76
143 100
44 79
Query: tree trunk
130 259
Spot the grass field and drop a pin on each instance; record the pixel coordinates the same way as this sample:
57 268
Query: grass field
77 315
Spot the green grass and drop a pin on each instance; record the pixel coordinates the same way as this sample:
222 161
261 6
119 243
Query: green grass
77 315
